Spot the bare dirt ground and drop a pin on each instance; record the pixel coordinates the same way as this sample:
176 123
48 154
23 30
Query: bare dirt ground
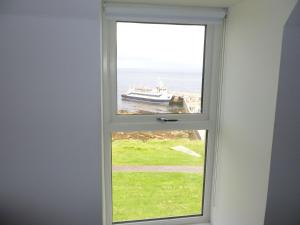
146 135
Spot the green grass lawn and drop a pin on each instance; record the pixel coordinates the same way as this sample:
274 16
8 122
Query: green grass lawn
156 152
139 196
149 195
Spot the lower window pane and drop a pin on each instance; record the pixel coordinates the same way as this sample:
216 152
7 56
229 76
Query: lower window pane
157 174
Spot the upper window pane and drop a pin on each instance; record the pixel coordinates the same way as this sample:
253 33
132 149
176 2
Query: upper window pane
159 68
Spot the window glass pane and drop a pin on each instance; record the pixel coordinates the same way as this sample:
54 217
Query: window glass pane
159 68
157 174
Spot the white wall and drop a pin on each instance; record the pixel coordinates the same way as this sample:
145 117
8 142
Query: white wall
49 112
252 59
202 3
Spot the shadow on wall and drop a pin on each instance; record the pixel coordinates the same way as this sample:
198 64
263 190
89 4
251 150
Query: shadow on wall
284 185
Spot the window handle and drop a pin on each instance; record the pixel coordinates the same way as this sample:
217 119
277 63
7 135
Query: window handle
162 119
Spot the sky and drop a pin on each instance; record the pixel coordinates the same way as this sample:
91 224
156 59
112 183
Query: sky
160 47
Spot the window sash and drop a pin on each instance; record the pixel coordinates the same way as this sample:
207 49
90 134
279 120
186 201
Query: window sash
210 68
188 220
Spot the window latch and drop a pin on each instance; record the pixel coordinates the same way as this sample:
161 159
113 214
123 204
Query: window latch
162 119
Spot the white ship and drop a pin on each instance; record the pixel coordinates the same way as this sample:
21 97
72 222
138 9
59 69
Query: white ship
158 94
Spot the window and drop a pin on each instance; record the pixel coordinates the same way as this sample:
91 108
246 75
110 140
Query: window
160 64
160 92
157 174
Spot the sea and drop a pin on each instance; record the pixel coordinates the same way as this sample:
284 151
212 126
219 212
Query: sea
173 81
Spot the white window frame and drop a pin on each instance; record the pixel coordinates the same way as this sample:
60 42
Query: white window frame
202 121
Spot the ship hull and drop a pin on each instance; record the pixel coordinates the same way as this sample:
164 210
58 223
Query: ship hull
143 99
